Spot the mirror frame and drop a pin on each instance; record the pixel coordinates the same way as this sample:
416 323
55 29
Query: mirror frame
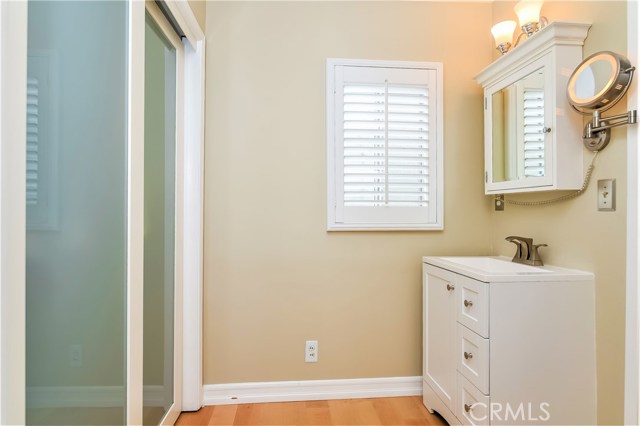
613 90
513 145
597 132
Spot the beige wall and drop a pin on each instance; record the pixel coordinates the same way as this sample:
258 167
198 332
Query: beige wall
273 276
578 235
199 8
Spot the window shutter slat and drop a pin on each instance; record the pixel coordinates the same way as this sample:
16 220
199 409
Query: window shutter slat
533 132
408 147
385 157
364 148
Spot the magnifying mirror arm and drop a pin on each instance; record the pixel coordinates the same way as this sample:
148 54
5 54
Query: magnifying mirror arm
596 134
599 124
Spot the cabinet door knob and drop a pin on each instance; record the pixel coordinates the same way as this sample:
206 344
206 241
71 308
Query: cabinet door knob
467 407
468 355
546 130
450 287
468 303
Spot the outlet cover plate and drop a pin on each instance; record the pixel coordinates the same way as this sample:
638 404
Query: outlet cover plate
311 351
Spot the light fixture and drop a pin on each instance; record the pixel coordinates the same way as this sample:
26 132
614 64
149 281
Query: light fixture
503 35
531 22
528 12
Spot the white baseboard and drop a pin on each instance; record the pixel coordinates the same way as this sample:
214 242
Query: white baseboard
311 390
233 393
88 396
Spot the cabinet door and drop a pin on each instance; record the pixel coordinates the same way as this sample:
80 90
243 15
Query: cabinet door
519 134
440 333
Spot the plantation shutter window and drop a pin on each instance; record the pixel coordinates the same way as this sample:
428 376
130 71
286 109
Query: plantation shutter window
385 159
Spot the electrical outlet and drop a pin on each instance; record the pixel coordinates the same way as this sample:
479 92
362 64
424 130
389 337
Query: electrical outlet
607 195
311 351
75 355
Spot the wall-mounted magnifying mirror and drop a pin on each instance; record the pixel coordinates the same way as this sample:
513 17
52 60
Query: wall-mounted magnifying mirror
595 86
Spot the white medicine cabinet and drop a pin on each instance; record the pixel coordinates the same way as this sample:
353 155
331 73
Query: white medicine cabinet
532 137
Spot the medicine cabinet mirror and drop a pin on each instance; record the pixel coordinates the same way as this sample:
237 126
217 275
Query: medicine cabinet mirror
518 124
532 137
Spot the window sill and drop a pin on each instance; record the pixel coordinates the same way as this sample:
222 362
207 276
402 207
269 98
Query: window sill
385 227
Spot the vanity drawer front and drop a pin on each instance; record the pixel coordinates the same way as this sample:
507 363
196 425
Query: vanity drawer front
473 406
473 358
473 305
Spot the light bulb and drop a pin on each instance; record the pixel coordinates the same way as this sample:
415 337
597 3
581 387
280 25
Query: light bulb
503 35
528 11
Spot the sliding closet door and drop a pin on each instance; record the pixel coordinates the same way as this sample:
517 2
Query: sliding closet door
76 208
91 211
163 53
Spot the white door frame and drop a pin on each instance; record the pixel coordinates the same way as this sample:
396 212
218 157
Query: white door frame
632 329
13 95
193 204
13 72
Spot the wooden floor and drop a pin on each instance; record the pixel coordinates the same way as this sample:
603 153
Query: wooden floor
375 411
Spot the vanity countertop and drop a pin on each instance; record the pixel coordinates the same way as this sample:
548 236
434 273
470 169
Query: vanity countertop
502 269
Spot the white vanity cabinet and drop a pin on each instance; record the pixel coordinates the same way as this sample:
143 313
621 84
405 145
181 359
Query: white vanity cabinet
533 139
506 343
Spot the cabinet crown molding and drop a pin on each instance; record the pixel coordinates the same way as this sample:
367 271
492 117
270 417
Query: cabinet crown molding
557 33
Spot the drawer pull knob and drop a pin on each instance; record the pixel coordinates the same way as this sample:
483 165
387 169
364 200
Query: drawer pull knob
450 287
467 407
468 355
468 303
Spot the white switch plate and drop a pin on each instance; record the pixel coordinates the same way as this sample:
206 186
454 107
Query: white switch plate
607 195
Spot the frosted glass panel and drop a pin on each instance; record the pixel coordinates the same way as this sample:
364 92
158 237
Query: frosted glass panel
159 218
76 212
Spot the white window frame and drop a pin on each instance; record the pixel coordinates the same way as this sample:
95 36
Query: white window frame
332 144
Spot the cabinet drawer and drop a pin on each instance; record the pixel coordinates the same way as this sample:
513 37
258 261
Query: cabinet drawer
473 358
473 305
473 406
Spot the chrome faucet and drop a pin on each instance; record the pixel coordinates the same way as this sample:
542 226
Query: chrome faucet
526 251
